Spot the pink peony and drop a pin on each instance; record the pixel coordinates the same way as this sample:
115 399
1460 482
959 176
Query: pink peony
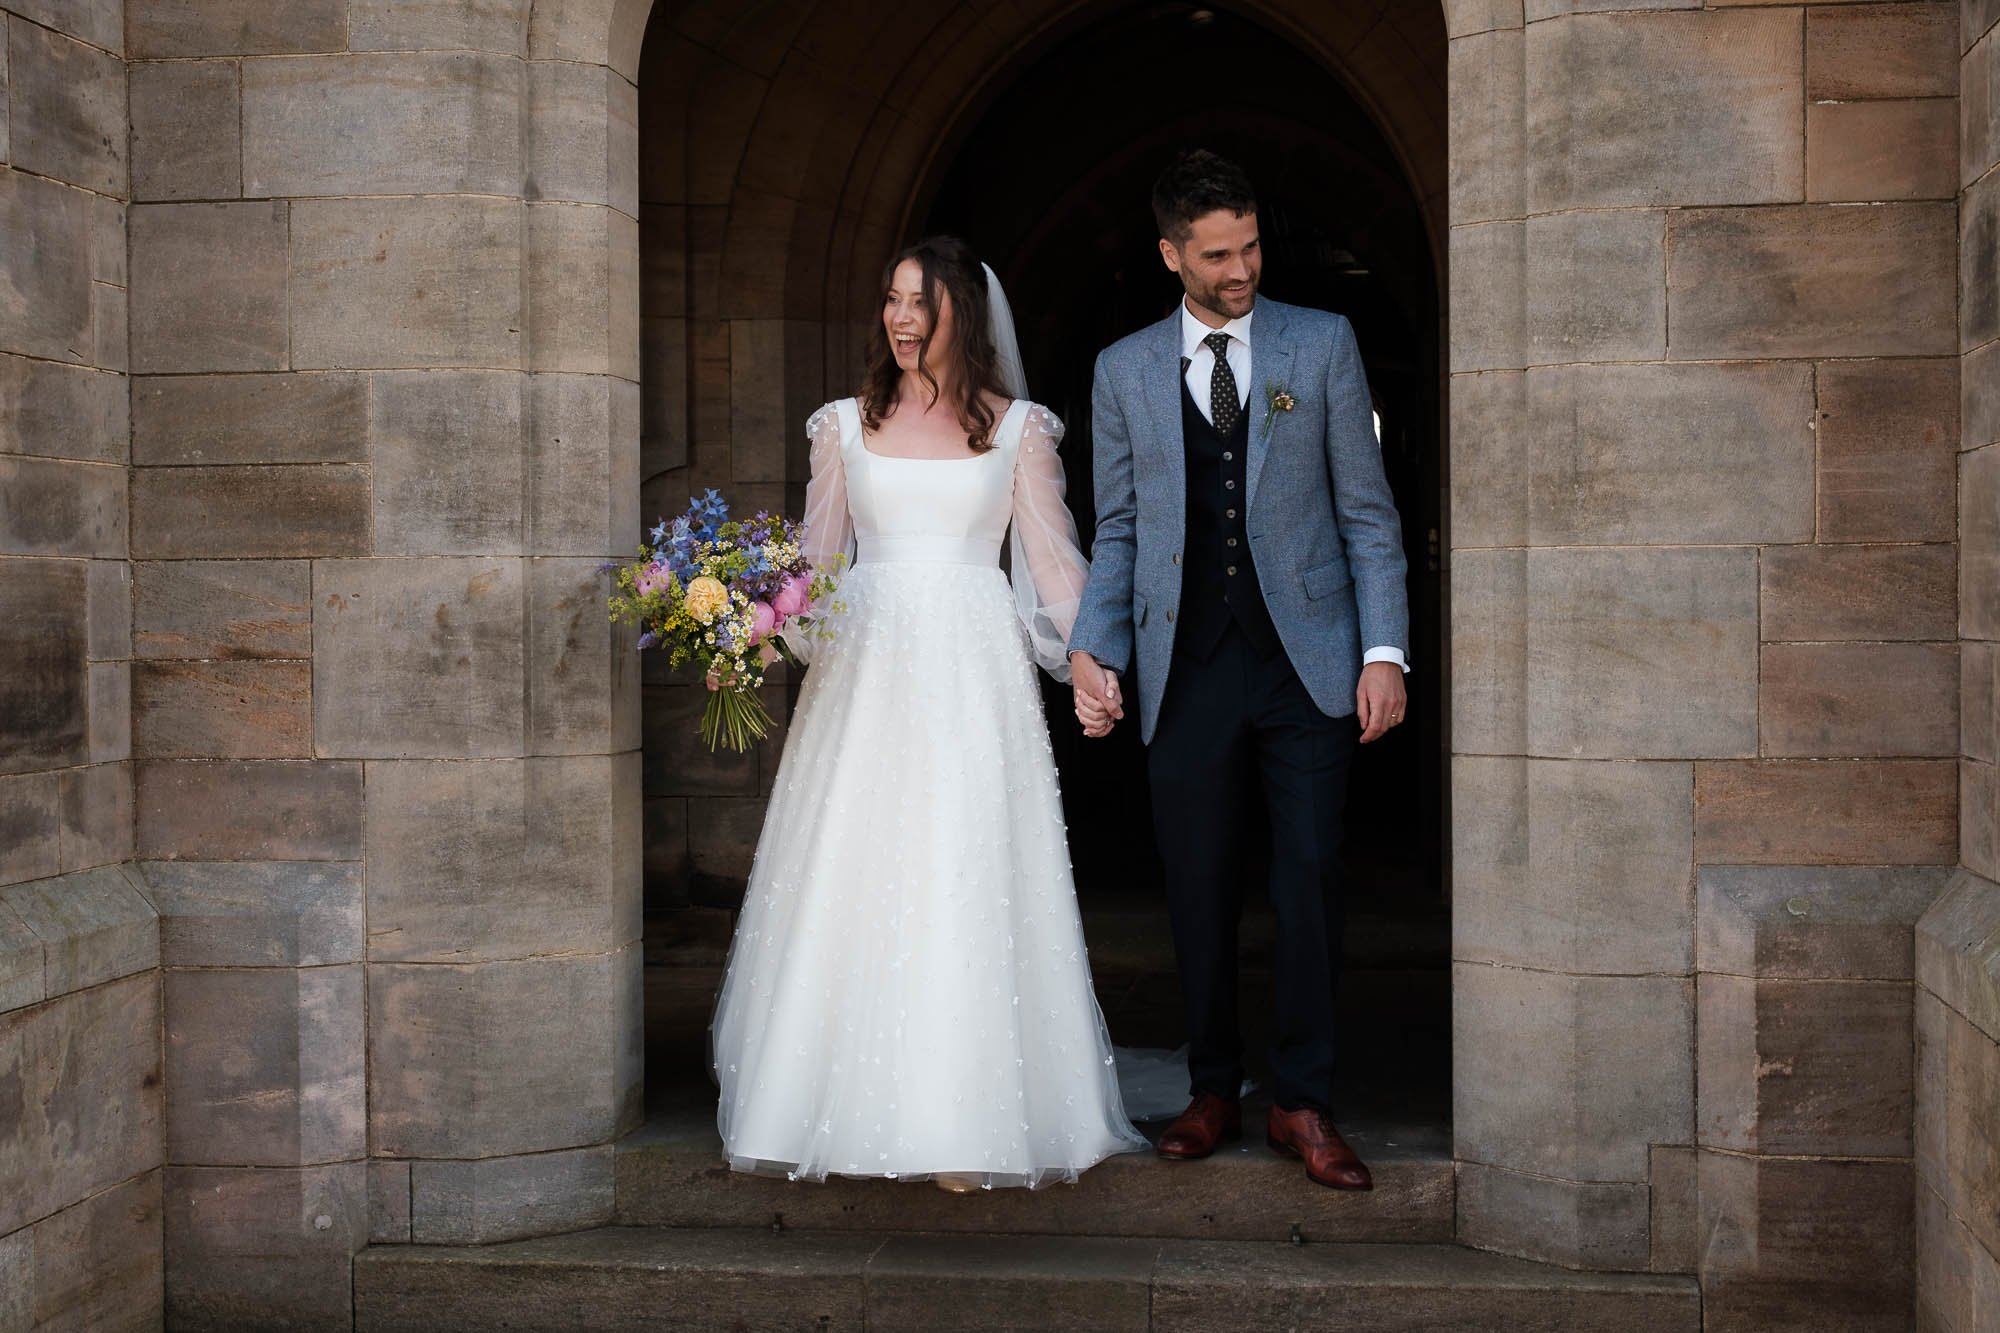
763 619
651 579
794 597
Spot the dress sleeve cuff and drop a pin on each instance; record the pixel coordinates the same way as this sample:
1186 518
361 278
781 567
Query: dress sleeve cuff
1386 655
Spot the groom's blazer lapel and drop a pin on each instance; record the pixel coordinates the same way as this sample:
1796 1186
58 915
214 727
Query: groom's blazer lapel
1161 396
1270 367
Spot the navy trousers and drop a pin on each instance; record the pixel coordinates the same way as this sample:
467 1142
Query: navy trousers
1236 729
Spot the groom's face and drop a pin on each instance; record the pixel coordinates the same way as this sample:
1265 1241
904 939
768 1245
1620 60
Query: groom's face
1219 263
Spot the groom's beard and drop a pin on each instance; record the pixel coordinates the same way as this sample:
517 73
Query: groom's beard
1228 305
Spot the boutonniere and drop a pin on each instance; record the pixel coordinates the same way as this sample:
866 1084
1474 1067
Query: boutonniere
1278 399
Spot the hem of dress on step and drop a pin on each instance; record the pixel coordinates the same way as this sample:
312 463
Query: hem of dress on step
986 1180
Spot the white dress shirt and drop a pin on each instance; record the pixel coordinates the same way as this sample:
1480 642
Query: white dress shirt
1201 361
1200 373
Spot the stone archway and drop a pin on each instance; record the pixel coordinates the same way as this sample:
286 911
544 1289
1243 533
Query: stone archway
781 155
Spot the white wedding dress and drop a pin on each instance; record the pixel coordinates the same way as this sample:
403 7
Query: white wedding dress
907 993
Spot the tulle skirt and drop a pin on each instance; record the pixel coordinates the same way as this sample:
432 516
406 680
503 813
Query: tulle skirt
907 993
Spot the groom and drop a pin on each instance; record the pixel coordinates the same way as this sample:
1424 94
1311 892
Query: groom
1247 553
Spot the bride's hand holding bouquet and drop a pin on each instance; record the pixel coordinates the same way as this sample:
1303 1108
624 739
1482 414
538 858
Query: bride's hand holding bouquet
726 595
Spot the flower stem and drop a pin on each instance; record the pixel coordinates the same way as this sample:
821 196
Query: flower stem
736 718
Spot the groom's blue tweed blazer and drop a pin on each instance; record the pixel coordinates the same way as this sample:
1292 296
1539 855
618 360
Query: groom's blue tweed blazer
1321 522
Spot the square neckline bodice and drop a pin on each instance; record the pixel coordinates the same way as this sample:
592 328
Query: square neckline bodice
1000 433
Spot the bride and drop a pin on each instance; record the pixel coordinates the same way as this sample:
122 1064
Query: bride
907 994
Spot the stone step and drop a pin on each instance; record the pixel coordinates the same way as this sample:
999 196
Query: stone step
1126 933
671 1174
651 1278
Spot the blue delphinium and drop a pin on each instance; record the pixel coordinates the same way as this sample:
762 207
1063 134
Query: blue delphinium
675 545
711 511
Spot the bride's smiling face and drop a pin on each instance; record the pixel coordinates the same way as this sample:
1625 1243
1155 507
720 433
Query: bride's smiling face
907 318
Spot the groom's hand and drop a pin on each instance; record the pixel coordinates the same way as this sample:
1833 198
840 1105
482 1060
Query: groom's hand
1098 702
1380 699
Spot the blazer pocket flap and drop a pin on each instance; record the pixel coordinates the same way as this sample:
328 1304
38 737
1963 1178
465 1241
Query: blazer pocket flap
1327 579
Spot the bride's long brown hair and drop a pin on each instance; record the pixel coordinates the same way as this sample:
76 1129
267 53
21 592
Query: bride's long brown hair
948 264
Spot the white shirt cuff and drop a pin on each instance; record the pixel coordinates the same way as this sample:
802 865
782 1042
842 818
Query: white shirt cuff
1386 655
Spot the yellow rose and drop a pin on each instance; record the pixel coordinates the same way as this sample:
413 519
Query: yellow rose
706 598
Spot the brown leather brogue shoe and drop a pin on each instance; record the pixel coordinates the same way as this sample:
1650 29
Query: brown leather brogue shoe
1309 1133
1207 1121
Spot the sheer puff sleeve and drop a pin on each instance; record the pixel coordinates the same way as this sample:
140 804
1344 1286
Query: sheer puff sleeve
1048 567
829 525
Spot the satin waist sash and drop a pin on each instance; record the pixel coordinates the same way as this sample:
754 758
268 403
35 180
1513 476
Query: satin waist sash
924 550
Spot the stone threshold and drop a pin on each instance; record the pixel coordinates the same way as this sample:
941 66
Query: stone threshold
670 1173
619 1278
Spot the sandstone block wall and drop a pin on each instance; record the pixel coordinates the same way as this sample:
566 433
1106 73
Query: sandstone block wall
1705 407
384 427
82 1139
65 618
81 1126
1958 944
1958 1086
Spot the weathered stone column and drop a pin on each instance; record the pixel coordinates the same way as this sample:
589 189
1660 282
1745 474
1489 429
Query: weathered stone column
80 1105
1958 942
1571 787
386 424
1701 577
65 612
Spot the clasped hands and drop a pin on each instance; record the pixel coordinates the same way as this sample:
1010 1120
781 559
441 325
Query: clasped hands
1098 700
1379 700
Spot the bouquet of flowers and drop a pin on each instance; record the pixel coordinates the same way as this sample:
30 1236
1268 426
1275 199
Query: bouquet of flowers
724 594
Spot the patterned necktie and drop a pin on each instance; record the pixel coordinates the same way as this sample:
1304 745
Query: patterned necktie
1223 407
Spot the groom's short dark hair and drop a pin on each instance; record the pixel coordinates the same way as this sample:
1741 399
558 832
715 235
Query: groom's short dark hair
1197 184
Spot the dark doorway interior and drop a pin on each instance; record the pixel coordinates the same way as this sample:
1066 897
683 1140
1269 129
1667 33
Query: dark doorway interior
1049 179
1050 184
